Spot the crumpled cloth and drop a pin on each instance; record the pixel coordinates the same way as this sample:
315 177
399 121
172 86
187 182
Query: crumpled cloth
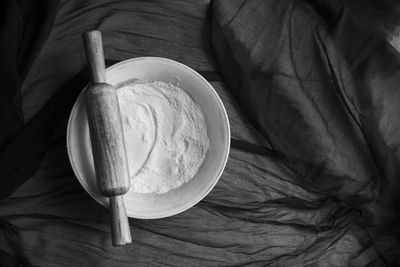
311 99
323 89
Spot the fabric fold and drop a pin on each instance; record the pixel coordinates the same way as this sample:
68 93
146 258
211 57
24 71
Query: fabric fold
322 89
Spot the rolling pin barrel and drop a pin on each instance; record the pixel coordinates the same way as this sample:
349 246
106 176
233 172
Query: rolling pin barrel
107 140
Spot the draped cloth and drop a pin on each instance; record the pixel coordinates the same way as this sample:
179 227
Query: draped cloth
311 95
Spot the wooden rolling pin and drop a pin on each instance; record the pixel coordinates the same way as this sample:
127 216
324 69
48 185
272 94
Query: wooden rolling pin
106 135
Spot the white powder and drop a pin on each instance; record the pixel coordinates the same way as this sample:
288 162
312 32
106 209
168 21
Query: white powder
165 135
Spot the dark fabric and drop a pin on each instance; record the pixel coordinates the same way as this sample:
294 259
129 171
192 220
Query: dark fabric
24 27
301 186
17 256
322 87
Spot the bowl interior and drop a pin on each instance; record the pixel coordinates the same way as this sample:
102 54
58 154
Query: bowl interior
148 206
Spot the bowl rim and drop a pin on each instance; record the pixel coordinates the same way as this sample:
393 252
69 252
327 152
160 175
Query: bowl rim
79 175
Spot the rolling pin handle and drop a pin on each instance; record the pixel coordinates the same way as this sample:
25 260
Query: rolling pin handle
94 53
120 230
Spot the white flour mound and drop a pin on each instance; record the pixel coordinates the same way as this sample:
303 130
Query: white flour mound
165 135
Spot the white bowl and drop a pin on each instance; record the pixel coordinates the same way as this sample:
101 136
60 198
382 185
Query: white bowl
151 206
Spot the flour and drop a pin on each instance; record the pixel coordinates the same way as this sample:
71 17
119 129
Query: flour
165 135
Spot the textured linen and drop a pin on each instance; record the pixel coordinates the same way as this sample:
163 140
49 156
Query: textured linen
311 177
